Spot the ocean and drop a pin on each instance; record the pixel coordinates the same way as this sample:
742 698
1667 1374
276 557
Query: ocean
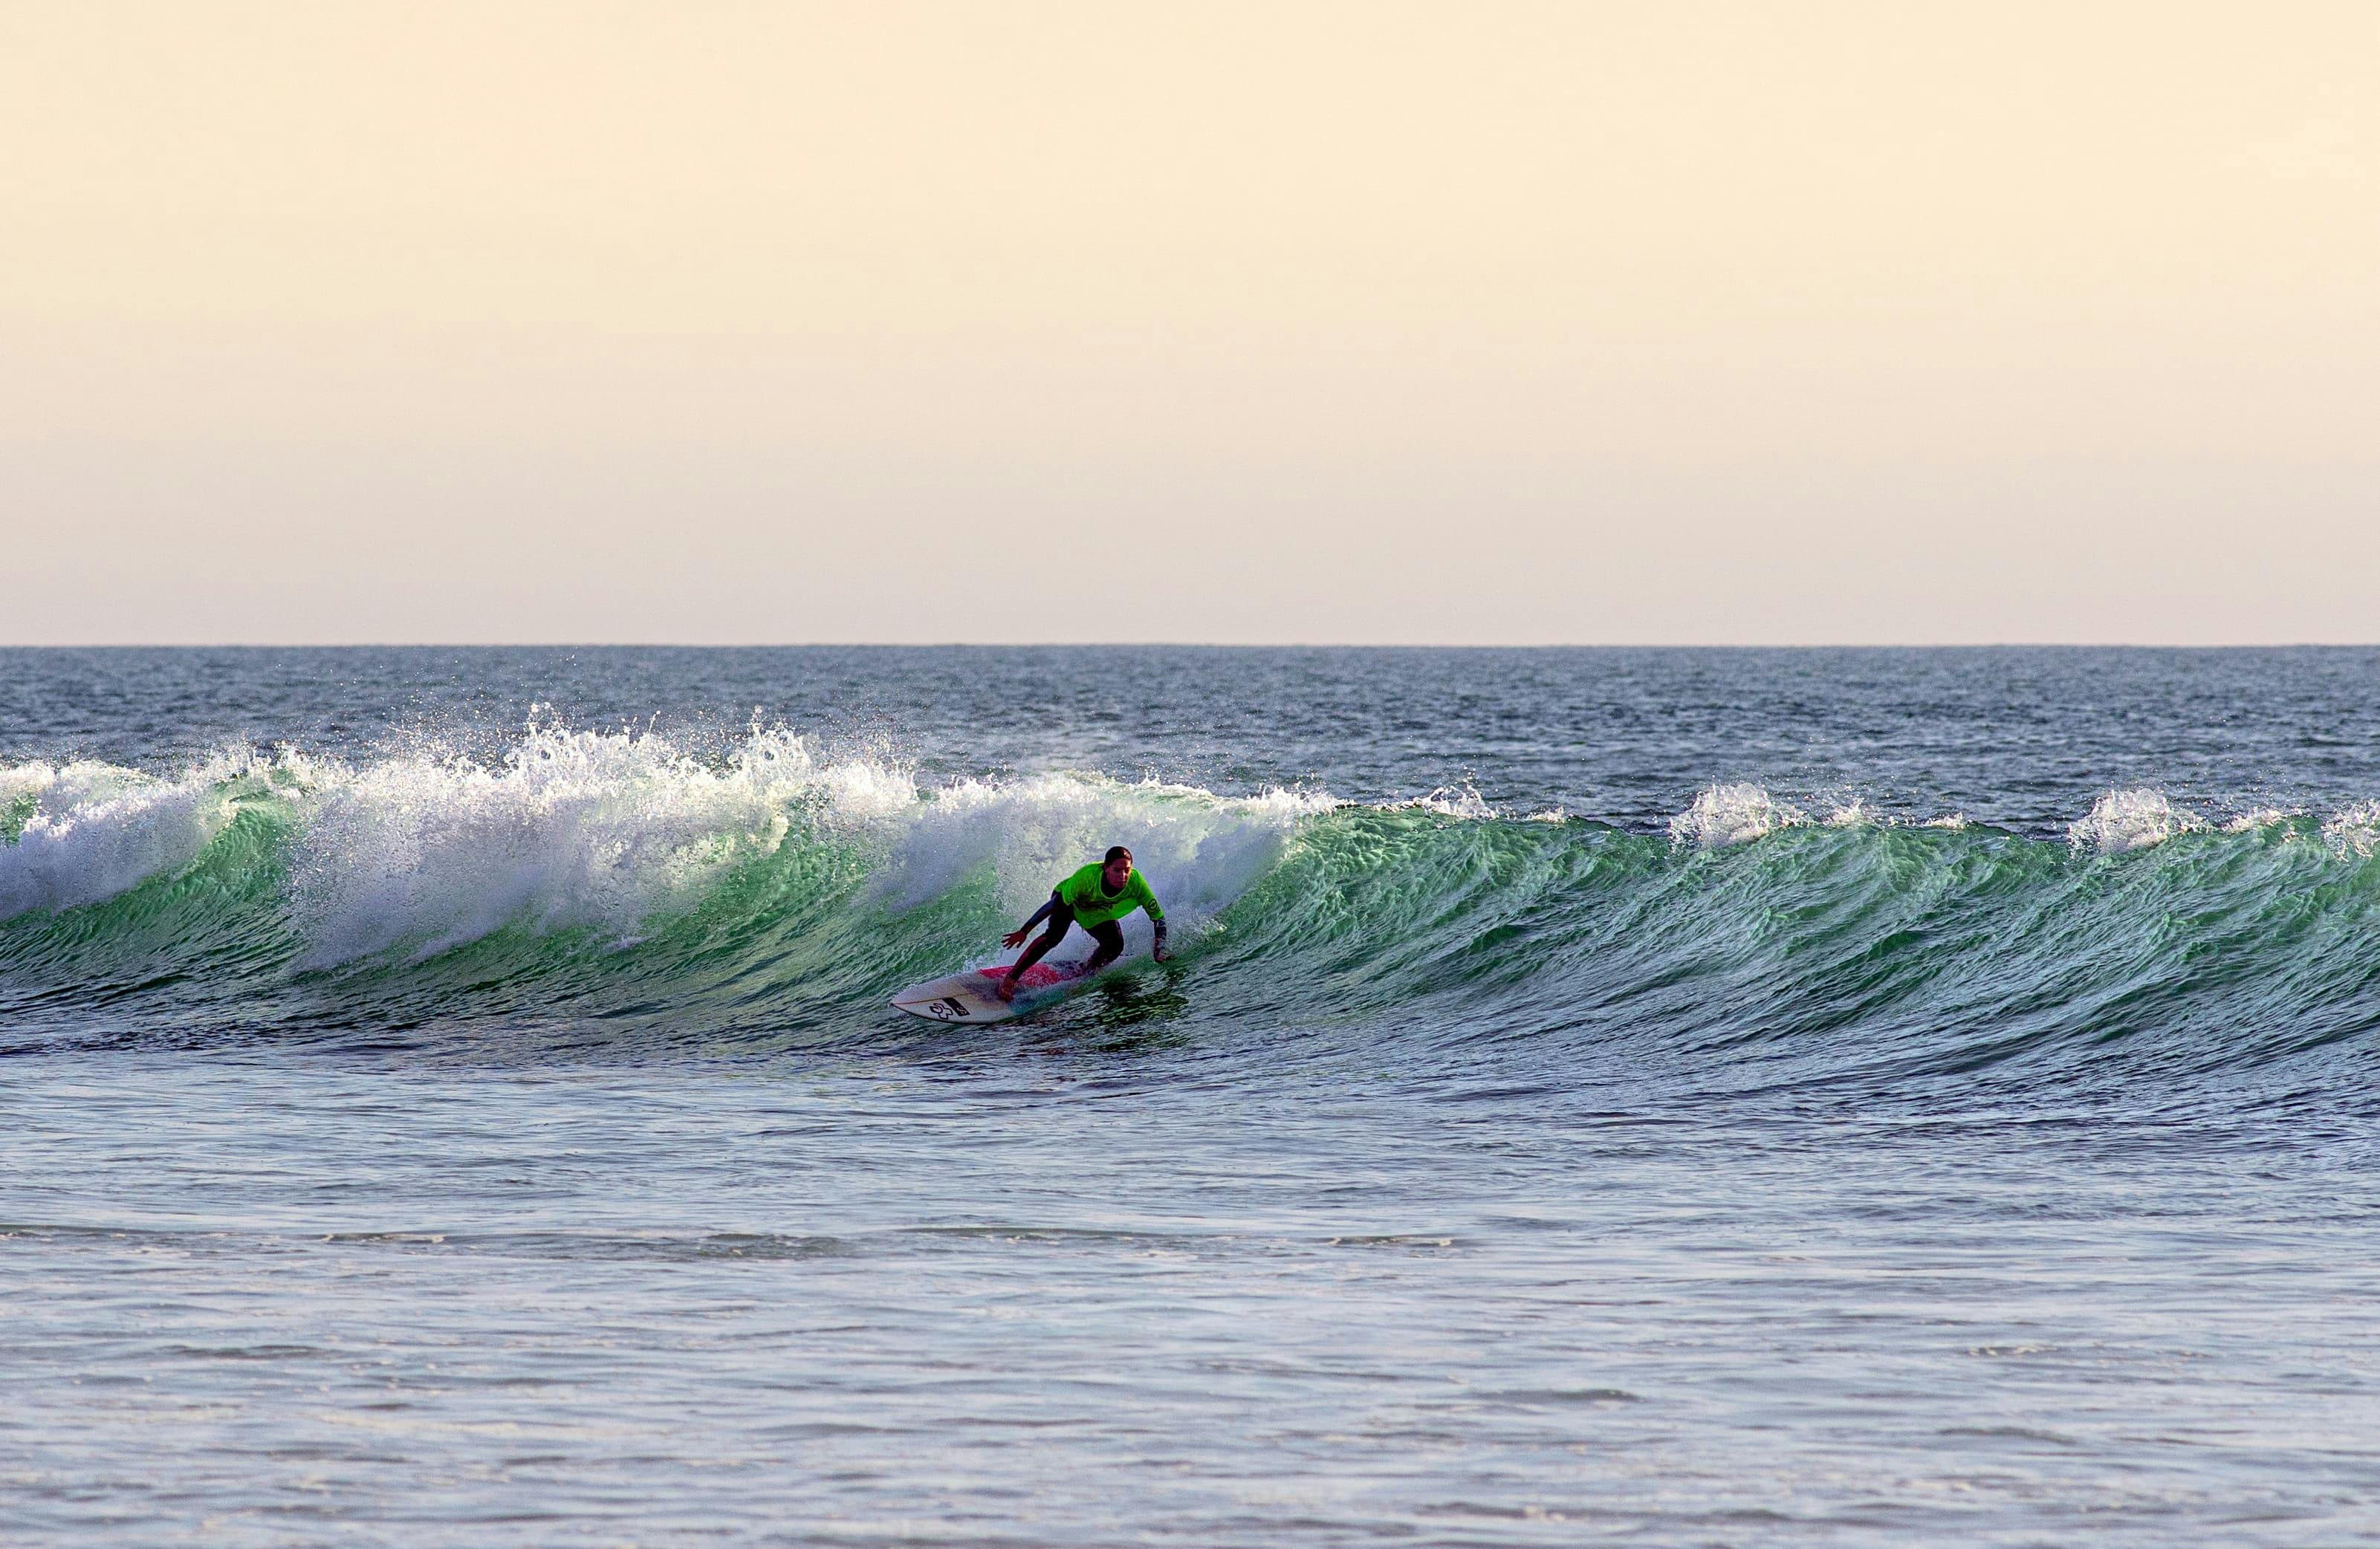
1672 1097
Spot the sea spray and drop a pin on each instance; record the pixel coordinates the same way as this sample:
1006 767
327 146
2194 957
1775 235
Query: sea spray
1725 815
83 832
573 828
2124 820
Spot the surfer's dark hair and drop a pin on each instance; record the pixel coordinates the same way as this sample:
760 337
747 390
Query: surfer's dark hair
1117 853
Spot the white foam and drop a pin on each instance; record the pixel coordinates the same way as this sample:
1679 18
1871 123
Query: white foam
603 830
2354 830
96 829
1453 800
1857 814
574 828
2121 821
1725 815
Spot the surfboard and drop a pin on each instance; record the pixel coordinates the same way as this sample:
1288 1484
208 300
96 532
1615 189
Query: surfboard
973 997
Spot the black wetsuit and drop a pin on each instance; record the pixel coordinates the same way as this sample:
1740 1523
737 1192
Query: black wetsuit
1107 933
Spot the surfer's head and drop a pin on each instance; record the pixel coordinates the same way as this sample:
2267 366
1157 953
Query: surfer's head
1116 870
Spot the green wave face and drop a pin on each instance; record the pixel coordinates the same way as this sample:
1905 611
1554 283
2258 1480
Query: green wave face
603 894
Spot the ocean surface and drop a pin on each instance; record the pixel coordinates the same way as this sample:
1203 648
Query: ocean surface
447 1096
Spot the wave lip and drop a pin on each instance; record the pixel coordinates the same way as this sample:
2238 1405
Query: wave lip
575 828
1725 815
2121 821
2354 831
82 832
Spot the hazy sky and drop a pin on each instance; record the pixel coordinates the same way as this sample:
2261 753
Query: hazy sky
1239 323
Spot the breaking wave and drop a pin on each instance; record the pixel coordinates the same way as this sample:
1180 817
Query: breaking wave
622 889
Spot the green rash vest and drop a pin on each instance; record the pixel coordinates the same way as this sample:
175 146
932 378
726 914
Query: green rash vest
1087 895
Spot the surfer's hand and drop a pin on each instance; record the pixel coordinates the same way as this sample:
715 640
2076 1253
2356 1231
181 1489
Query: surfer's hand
1159 953
1016 938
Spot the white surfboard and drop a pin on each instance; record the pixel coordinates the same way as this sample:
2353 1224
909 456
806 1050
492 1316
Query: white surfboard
974 996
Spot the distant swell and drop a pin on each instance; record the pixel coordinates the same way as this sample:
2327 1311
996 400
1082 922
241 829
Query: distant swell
619 886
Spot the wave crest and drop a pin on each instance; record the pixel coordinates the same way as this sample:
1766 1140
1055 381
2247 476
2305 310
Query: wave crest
588 828
79 832
2355 831
2121 821
1725 815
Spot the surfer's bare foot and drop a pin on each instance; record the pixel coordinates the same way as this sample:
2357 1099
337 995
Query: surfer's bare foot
1006 988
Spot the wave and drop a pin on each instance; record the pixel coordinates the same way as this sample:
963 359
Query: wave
81 832
619 888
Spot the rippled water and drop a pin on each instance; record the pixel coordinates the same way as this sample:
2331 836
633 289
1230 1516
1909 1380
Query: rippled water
1734 1098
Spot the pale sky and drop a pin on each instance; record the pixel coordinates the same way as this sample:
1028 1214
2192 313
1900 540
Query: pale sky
1365 321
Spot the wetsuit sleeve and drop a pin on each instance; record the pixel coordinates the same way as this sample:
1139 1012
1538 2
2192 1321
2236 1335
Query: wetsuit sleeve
1156 915
1043 913
1145 898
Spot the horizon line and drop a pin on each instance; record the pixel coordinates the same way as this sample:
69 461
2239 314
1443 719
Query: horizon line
1190 645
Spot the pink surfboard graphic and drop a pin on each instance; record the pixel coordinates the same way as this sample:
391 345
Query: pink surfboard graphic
1042 975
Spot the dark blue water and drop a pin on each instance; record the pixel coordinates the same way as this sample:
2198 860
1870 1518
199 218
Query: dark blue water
1693 1097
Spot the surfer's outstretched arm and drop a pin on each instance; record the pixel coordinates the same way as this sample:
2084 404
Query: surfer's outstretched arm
1016 938
1061 920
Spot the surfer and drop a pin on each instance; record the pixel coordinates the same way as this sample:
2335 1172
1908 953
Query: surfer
1094 897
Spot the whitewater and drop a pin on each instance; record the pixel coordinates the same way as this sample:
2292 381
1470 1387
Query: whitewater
1698 1097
